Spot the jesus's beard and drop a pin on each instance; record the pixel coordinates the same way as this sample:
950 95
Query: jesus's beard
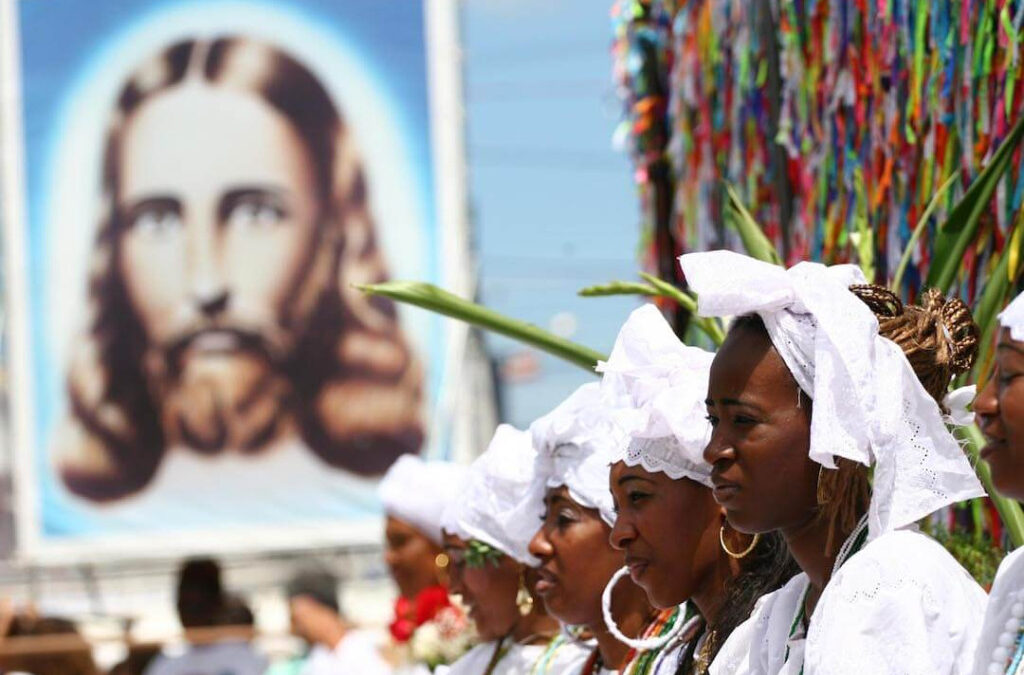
212 400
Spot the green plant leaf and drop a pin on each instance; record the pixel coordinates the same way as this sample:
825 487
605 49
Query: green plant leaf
711 326
754 240
618 288
439 301
986 310
863 238
657 287
920 229
961 227
686 300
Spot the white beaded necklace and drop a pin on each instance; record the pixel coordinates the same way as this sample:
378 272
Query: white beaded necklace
1008 654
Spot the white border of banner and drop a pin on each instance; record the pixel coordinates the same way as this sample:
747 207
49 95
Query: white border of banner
444 72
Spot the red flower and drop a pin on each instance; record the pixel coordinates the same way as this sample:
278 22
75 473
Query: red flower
429 602
411 614
402 626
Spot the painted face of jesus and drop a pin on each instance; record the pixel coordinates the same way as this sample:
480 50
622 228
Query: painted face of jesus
218 210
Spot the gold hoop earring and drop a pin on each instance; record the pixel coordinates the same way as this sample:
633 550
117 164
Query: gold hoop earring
524 601
737 556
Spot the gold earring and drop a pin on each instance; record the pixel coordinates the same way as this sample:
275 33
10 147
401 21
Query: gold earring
524 601
441 563
737 556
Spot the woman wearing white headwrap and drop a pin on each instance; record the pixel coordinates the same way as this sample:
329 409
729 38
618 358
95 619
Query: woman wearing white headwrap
1000 413
415 494
491 569
674 535
821 378
570 500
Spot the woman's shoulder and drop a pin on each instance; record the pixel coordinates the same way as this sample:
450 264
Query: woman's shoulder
472 662
904 558
1011 572
900 605
782 601
761 639
563 657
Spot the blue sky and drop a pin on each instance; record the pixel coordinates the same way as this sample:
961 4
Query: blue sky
554 205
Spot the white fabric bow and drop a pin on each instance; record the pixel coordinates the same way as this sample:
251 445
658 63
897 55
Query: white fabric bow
493 488
656 386
1013 318
869 406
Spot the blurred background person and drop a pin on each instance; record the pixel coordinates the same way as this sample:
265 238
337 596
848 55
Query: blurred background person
332 646
138 659
427 628
42 645
215 644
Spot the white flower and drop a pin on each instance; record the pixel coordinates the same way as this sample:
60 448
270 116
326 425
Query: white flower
443 639
958 402
426 643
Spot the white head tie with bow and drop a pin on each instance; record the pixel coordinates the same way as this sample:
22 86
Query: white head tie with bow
574 443
1013 318
493 488
418 491
869 405
657 386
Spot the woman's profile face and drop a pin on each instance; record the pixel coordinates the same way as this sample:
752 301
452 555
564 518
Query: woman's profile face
668 530
576 559
218 211
999 409
411 557
762 473
488 590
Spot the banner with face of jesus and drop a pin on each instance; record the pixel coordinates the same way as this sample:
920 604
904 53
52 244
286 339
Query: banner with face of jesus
202 186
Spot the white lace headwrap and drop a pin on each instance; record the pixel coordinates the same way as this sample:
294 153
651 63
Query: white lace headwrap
869 406
1013 318
417 492
493 488
657 386
574 443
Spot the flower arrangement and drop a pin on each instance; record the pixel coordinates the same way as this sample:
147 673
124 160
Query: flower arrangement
430 629
443 639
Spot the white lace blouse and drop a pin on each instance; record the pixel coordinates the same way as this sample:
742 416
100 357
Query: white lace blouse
900 606
563 658
1008 585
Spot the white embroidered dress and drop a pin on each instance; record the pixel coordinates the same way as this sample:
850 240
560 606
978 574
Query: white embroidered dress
900 606
561 658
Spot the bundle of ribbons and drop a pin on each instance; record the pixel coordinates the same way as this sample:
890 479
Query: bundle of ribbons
830 118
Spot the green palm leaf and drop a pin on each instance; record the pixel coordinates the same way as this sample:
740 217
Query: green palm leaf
656 287
439 301
754 240
961 227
